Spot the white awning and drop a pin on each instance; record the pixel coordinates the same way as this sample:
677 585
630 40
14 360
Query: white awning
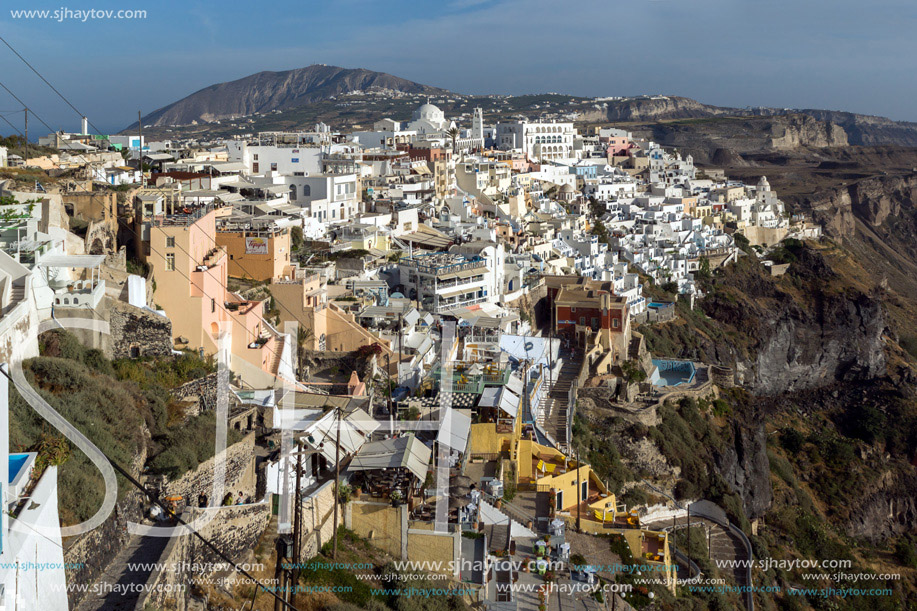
86 261
456 427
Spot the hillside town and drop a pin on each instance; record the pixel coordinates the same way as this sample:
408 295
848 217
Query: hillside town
396 328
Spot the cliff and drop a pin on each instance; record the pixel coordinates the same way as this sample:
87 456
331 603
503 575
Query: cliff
724 140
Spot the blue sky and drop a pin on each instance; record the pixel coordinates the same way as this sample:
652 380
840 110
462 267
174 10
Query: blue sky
835 54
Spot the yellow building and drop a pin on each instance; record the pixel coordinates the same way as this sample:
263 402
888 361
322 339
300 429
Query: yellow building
256 255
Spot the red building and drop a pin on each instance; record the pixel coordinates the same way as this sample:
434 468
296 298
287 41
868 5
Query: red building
583 313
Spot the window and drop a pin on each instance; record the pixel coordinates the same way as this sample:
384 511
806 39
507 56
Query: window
170 241
293 193
615 323
255 168
170 262
255 156
582 320
273 167
213 305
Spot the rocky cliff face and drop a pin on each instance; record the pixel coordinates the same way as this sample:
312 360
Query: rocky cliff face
745 467
805 131
721 140
887 508
842 340
658 108
873 200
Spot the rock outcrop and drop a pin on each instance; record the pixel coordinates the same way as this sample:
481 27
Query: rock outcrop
745 468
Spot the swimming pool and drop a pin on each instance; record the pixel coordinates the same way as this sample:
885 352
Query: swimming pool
673 373
17 461
658 304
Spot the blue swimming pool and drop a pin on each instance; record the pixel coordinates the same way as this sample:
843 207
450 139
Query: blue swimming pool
673 373
17 461
658 304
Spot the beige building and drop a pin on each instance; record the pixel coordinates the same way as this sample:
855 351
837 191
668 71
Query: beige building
326 327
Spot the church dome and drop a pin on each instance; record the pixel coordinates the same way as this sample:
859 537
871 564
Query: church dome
429 112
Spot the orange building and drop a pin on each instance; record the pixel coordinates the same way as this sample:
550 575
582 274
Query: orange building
256 255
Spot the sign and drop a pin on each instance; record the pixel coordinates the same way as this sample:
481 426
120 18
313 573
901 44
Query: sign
255 246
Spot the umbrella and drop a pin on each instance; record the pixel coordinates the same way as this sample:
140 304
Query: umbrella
457 490
457 503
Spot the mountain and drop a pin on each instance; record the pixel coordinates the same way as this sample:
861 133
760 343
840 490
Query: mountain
268 91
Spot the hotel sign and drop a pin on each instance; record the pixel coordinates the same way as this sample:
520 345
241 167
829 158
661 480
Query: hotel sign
255 246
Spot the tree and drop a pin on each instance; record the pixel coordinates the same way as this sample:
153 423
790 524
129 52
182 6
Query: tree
453 133
703 270
632 371
296 238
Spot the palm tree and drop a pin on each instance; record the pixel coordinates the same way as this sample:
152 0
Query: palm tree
453 133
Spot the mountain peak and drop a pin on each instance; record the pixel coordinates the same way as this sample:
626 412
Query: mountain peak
268 91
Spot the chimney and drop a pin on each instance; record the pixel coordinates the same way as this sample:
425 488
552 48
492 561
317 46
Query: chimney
85 127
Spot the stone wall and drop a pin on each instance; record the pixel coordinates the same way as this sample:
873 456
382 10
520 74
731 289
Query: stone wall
93 551
235 530
100 239
205 388
380 523
318 519
137 332
240 474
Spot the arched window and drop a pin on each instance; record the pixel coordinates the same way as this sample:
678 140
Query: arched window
306 190
292 193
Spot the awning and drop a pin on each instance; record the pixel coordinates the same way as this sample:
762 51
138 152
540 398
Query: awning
86 261
456 427
457 292
405 452
465 273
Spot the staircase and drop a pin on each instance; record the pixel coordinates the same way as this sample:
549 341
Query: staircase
278 352
559 397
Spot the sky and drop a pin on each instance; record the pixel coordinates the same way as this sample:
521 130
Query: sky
834 54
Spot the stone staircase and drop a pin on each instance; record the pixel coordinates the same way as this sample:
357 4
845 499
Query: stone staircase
559 398
278 352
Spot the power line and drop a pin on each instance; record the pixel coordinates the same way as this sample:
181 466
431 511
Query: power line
53 88
155 499
18 99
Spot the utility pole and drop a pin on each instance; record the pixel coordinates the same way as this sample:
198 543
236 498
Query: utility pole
400 331
388 388
26 134
337 483
140 147
579 490
297 523
688 548
280 575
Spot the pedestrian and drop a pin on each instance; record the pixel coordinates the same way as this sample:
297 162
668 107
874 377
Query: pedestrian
240 500
202 500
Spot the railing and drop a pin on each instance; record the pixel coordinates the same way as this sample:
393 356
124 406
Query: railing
458 282
445 307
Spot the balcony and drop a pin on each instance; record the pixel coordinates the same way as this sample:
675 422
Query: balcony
444 306
80 294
